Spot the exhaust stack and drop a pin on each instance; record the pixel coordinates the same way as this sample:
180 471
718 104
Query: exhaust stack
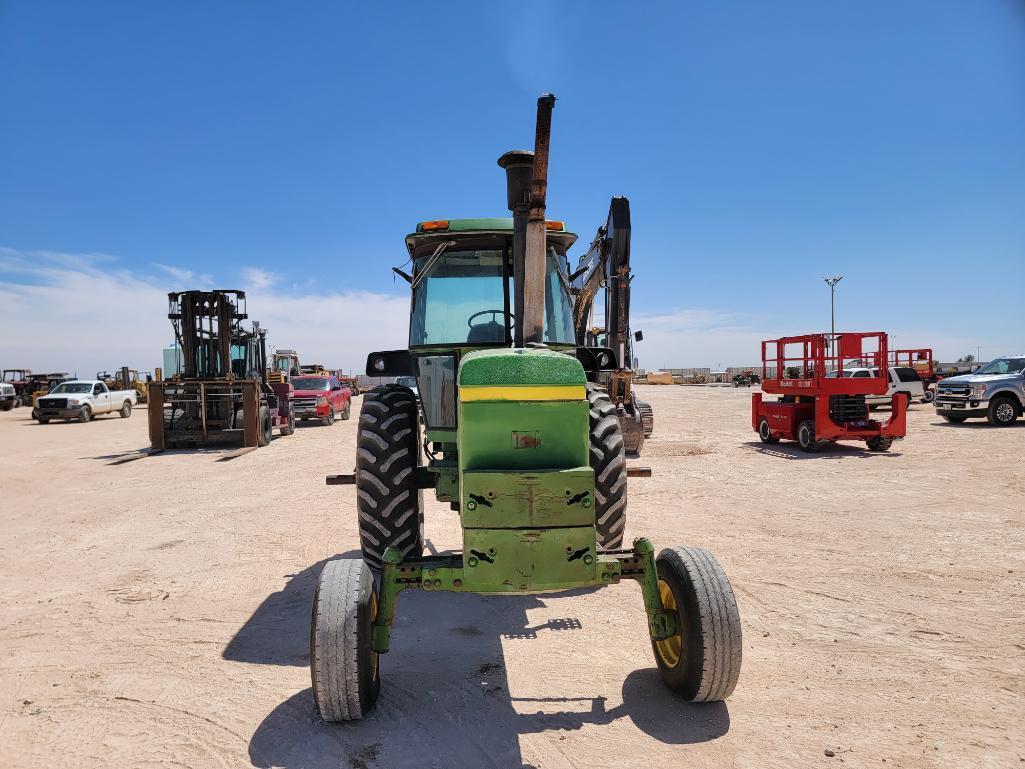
526 191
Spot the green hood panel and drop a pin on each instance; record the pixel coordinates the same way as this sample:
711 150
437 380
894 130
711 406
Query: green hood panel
498 368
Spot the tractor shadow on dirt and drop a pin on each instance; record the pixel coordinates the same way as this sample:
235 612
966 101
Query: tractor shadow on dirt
834 451
445 696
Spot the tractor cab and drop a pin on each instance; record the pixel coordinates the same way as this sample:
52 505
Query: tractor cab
463 285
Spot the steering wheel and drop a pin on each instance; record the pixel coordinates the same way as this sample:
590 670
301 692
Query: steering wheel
492 313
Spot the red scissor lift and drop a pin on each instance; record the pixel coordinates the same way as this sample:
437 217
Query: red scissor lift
921 361
818 404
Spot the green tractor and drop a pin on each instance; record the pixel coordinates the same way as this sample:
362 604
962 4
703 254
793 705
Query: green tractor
522 441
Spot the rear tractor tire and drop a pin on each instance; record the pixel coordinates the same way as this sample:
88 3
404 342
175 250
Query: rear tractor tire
702 660
765 434
608 460
387 456
343 667
806 436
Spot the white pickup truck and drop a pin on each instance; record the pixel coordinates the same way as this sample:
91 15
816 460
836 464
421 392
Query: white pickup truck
82 400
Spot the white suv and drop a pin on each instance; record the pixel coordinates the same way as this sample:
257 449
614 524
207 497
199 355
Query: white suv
903 379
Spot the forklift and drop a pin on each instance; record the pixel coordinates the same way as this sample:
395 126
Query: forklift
222 394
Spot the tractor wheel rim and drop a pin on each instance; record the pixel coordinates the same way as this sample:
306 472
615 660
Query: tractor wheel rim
1005 412
669 649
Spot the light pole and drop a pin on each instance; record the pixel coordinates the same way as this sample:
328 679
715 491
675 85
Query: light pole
831 282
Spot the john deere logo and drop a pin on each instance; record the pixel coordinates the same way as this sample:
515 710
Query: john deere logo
526 440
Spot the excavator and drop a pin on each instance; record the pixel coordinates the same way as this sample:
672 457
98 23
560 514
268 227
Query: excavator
605 268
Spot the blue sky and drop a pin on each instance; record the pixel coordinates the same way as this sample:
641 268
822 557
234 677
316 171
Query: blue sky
288 148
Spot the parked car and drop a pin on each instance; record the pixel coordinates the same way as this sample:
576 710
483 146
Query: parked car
902 379
996 391
320 396
83 399
8 396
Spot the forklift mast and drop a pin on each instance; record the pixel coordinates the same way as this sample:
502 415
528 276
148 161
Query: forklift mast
207 326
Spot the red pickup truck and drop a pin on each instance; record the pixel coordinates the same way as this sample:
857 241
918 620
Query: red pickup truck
320 396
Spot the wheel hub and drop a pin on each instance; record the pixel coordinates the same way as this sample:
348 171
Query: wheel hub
1005 412
669 649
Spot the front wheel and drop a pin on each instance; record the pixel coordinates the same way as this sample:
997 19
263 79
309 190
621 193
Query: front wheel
954 419
806 436
348 411
266 427
43 420
126 410
765 434
1003 411
879 443
329 420
343 667
702 659
928 395
85 414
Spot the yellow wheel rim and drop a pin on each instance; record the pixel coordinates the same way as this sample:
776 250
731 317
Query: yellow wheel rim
669 649
373 618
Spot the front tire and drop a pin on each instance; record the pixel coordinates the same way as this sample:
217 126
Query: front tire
765 434
344 669
1003 411
702 660
928 395
85 414
806 437
387 456
954 419
879 443
43 420
126 410
348 411
329 420
608 460
266 427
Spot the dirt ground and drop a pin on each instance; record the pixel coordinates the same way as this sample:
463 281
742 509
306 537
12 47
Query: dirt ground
155 613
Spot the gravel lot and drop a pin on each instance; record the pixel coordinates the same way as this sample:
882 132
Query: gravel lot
154 613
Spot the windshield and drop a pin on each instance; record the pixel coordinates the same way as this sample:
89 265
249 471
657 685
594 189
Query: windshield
283 364
74 387
311 383
406 381
464 297
1003 366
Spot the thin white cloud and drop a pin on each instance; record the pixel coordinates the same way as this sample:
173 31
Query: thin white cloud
257 278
